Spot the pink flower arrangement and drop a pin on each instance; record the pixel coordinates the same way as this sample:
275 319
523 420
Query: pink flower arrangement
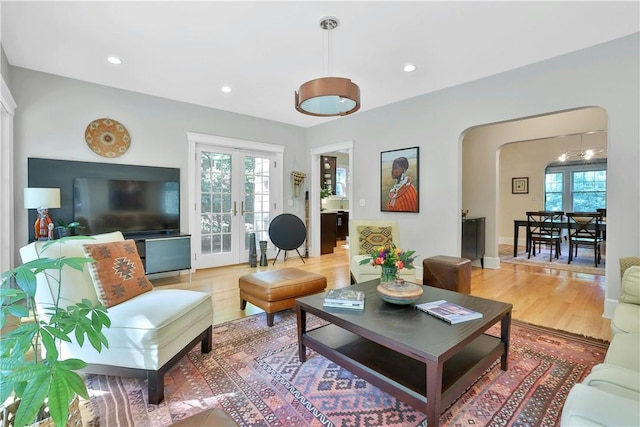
391 256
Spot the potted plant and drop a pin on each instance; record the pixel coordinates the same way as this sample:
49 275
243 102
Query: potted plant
67 229
29 376
325 192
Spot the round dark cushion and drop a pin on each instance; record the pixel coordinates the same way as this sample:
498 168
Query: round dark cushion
287 232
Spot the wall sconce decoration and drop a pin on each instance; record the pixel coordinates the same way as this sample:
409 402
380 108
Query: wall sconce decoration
107 137
298 179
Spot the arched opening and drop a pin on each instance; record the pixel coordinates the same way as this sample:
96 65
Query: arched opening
487 174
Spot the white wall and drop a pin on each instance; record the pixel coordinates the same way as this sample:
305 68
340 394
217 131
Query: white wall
604 76
53 113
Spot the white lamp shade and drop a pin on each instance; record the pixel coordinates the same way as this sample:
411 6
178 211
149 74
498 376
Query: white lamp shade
35 198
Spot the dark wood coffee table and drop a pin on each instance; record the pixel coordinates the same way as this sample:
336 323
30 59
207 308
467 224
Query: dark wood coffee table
411 355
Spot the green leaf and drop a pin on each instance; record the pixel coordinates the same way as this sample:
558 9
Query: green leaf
57 333
18 310
79 336
49 344
104 318
33 396
6 388
94 340
73 364
27 281
74 382
77 262
60 396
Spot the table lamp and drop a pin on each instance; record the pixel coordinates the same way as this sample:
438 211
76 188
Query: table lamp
42 199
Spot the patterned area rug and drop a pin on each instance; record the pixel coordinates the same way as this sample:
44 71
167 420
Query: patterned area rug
253 374
583 263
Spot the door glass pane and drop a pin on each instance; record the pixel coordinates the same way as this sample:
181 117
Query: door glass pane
256 201
215 201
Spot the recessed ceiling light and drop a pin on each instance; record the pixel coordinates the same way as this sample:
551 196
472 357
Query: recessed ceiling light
225 89
409 68
114 60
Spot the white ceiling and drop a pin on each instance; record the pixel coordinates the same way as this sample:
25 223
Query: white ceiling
265 50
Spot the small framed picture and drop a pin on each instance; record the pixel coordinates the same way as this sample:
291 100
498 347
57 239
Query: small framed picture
520 185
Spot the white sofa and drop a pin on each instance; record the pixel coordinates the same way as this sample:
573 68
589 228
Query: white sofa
626 317
610 394
366 272
149 333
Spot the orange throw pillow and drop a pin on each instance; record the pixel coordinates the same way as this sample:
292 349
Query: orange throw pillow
118 273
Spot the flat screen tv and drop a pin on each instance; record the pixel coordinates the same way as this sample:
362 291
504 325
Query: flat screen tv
131 206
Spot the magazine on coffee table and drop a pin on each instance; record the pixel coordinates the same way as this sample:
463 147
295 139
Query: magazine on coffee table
448 311
344 298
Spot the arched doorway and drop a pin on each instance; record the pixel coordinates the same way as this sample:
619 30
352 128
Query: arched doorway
485 190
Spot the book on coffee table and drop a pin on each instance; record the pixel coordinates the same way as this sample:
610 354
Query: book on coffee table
448 311
344 298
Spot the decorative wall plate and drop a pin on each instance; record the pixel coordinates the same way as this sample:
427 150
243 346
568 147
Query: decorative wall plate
107 137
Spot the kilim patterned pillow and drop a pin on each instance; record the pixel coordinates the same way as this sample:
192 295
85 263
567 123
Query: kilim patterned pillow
372 237
118 273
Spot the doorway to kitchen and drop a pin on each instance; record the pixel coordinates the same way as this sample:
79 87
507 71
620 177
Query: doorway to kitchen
335 208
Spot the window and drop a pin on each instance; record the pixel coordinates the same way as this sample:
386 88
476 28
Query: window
576 187
553 191
341 182
589 190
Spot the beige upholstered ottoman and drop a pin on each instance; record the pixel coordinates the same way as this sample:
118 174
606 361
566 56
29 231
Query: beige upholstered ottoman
277 290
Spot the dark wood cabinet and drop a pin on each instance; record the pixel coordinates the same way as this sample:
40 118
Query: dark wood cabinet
328 230
342 225
328 172
473 239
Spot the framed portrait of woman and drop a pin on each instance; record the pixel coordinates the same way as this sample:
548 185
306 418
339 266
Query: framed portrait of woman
399 172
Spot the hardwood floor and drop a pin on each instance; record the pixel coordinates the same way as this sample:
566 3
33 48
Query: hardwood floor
556 299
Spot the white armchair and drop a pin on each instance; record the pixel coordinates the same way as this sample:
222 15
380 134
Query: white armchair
368 234
149 333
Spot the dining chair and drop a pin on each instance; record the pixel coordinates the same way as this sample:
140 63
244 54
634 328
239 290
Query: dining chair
544 227
603 211
585 230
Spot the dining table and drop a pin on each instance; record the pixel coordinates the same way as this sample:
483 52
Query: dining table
517 223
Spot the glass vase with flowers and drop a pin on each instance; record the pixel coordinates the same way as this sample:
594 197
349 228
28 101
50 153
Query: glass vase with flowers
392 289
390 259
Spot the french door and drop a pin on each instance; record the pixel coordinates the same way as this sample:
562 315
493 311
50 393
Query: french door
234 198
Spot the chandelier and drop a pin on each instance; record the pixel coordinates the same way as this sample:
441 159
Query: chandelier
328 96
582 153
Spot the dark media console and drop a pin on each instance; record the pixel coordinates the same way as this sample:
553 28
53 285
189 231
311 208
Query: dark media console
162 253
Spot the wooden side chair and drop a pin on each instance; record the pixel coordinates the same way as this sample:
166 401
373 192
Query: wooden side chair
585 230
544 227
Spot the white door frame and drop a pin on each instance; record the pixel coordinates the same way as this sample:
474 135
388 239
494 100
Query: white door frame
314 194
214 141
7 112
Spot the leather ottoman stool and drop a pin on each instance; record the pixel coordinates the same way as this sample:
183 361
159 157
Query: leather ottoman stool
446 272
277 290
